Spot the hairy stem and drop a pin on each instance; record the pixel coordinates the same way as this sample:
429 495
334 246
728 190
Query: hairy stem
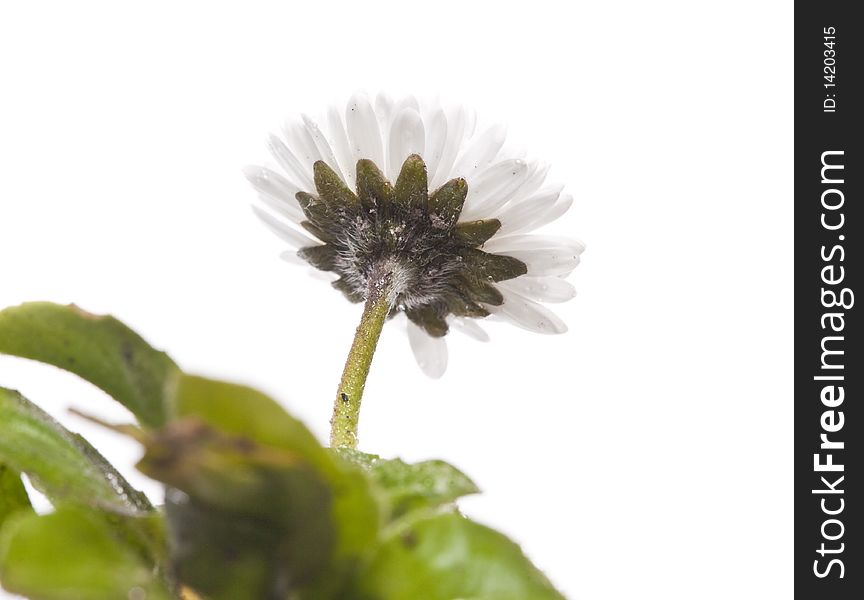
346 408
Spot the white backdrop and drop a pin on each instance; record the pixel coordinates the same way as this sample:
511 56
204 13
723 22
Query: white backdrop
647 452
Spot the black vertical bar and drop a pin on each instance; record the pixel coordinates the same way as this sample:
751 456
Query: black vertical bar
829 369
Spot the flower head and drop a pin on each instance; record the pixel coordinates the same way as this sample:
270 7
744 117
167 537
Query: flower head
417 196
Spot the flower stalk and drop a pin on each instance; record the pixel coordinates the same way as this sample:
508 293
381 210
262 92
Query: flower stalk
346 407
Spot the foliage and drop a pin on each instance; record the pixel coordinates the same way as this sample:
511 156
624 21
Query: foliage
255 507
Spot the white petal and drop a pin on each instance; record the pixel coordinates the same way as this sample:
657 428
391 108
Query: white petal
559 262
542 218
341 146
323 146
430 352
272 184
429 105
290 256
530 241
285 231
491 189
543 254
436 137
405 102
452 145
532 183
470 122
384 112
299 174
519 216
469 327
528 314
481 152
363 130
407 137
328 276
297 138
290 211
560 207
542 289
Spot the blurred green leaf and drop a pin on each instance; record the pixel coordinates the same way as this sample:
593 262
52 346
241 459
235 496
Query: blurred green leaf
68 470
448 557
240 410
250 488
224 556
261 513
61 464
13 496
407 487
100 349
71 554
243 411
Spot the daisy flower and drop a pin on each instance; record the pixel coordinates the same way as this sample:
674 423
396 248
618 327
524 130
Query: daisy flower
415 204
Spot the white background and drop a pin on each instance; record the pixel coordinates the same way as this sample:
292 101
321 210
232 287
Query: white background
647 452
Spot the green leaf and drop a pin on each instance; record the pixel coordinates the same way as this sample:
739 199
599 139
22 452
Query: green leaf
69 555
261 513
240 410
448 557
13 496
223 555
98 348
353 510
61 464
407 487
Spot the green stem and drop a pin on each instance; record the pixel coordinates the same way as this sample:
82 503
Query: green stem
346 408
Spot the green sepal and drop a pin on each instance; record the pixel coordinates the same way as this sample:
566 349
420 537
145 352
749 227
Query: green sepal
331 189
373 188
475 233
478 290
429 319
462 307
445 204
347 290
494 267
486 293
411 189
319 212
321 257
317 231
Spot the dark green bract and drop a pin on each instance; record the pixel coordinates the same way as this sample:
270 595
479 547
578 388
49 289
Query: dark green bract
436 262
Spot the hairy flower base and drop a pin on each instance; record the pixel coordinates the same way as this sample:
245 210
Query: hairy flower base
434 262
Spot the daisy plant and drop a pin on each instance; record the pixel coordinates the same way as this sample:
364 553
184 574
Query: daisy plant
421 217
